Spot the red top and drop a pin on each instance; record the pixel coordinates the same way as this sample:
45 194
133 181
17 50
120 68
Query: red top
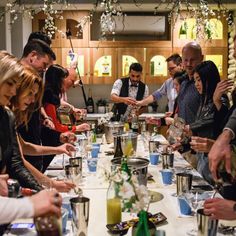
50 109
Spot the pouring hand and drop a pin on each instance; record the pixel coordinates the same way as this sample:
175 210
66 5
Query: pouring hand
219 208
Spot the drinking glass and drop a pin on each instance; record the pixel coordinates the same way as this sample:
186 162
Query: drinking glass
92 165
196 203
74 174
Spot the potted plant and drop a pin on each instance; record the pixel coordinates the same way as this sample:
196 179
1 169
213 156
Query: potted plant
101 104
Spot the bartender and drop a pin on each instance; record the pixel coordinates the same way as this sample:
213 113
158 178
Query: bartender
127 91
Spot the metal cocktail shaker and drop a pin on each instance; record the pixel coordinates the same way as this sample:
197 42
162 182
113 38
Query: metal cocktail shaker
80 215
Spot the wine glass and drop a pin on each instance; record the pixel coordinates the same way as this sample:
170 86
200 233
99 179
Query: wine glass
196 203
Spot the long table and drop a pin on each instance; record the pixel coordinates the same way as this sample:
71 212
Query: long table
95 188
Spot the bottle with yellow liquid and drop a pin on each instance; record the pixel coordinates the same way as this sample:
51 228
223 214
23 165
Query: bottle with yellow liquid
113 204
128 149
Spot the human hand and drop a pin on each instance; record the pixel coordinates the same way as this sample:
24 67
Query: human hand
46 202
222 87
63 186
140 103
83 127
66 148
168 114
67 137
169 120
220 151
219 208
3 185
200 144
129 101
80 114
176 146
48 123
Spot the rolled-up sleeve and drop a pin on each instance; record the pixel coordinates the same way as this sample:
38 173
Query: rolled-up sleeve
12 209
116 87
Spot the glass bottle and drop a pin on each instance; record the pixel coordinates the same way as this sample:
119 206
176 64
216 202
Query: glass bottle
113 204
126 67
144 227
183 31
118 150
105 66
15 190
152 67
90 103
93 135
125 167
134 121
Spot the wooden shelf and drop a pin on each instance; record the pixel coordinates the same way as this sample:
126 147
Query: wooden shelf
142 51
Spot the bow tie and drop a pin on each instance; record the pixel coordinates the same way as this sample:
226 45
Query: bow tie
134 85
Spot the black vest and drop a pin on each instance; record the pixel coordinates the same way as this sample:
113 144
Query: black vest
124 92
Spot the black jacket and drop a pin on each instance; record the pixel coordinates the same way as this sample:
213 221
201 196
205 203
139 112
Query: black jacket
207 122
10 157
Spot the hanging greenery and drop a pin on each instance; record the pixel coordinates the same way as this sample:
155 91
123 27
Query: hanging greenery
202 11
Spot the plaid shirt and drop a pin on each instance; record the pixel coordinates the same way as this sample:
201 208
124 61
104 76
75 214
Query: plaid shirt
188 101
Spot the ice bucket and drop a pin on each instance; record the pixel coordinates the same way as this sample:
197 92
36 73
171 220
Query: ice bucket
112 127
125 138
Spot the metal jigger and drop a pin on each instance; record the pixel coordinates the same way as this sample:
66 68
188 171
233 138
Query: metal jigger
80 215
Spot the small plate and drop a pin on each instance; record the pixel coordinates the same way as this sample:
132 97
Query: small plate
123 227
155 196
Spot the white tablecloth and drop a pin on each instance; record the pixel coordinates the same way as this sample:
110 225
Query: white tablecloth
95 188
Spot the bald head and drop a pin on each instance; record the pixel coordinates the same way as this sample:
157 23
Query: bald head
192 56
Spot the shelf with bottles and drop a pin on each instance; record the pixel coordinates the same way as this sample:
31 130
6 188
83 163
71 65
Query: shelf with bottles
127 56
219 57
81 56
156 66
102 65
215 31
127 60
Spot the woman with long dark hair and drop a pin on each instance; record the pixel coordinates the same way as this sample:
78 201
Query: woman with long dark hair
206 77
54 78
